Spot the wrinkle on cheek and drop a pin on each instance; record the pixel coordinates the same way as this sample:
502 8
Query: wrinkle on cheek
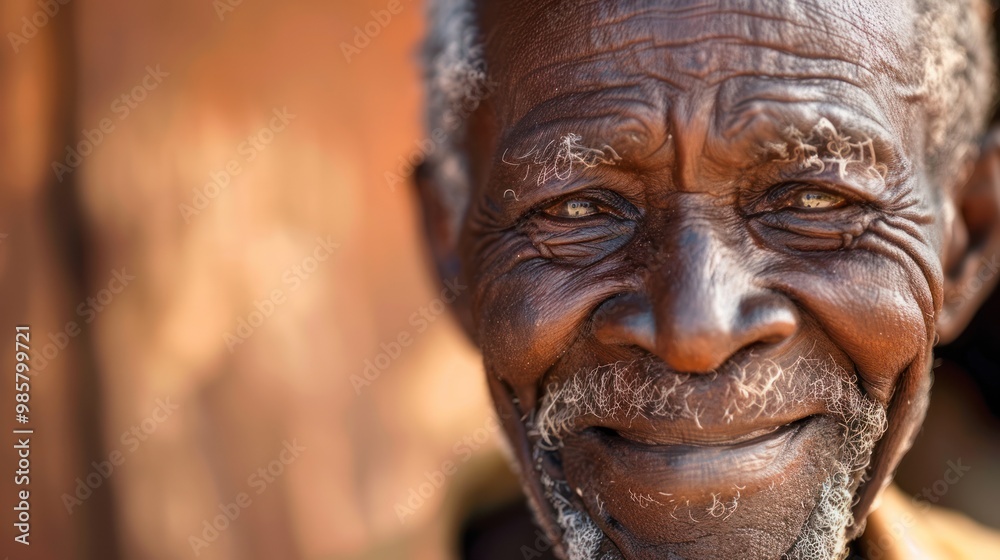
529 317
861 308
908 246
522 329
500 253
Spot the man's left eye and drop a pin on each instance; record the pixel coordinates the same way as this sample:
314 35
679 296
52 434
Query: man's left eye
816 200
573 208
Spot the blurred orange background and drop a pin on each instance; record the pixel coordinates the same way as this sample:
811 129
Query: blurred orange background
202 82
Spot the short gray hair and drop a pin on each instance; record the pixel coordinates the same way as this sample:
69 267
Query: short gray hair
455 79
959 79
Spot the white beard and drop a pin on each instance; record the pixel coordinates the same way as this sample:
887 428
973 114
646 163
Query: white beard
824 534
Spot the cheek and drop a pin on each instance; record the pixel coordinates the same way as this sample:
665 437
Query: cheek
528 317
871 308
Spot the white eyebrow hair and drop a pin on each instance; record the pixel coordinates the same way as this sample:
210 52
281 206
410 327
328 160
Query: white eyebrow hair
558 158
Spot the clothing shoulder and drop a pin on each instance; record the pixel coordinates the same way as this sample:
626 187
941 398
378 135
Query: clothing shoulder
904 528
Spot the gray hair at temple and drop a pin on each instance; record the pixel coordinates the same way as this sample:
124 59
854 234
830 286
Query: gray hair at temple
959 79
958 86
454 78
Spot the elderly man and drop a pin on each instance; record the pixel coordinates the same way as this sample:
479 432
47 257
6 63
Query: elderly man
710 247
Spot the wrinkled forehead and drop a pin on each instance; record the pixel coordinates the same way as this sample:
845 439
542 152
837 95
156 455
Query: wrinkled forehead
558 60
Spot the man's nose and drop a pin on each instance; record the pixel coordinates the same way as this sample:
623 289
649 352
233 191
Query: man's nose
702 307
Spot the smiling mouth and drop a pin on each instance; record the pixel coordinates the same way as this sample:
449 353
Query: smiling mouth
695 442
699 438
700 462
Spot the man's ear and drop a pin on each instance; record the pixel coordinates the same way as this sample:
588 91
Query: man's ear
440 229
972 241
442 222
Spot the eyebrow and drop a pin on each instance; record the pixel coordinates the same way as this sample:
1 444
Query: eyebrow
826 143
556 151
558 159
524 173
797 132
598 112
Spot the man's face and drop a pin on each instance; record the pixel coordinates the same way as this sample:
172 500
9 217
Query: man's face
705 263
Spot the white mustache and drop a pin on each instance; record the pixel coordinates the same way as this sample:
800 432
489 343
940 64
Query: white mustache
644 389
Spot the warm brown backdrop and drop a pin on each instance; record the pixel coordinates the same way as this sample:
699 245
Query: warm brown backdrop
162 336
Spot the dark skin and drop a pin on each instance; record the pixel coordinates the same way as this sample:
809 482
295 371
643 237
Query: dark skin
707 247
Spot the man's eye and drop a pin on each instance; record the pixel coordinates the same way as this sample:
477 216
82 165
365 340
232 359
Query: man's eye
816 200
573 208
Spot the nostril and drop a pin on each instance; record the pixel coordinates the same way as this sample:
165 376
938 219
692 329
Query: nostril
767 320
625 320
605 433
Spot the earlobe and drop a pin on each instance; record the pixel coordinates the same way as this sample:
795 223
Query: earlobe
972 242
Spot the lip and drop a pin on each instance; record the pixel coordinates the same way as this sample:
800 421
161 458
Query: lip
696 440
696 465
695 434
745 453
